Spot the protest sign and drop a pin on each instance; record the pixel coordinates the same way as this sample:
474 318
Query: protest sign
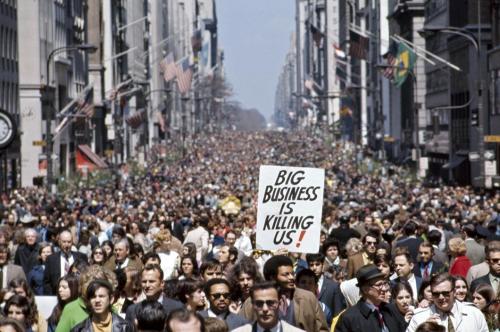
289 208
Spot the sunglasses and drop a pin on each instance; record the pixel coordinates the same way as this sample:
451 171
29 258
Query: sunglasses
494 260
271 304
219 295
444 293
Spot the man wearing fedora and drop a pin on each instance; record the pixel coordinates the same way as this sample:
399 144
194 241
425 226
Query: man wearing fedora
371 313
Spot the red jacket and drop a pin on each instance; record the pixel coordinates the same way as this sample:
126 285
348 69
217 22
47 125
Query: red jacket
460 266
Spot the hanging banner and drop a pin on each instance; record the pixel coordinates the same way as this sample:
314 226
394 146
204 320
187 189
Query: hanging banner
289 208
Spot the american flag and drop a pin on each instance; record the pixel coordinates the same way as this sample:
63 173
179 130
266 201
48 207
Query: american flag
391 57
167 66
358 45
184 74
135 120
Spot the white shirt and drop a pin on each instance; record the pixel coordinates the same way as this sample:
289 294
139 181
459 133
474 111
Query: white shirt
466 317
413 284
320 282
169 262
244 244
70 261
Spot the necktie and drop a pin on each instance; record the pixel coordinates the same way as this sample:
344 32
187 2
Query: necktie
267 330
426 272
66 263
283 305
379 317
1 277
450 325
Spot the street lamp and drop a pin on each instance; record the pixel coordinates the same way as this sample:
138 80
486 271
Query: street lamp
48 121
430 30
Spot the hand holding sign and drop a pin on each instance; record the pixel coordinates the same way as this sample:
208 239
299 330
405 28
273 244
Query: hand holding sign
289 208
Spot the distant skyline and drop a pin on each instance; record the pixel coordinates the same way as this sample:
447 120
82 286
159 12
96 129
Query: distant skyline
255 36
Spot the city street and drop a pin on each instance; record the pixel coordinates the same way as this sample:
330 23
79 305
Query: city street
249 166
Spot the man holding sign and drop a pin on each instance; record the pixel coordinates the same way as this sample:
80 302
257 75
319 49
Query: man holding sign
289 208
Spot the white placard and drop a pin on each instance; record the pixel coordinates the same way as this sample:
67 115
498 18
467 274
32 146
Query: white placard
289 208
45 305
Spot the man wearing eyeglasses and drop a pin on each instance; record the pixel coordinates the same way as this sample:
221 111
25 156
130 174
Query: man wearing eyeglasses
371 313
454 315
356 261
218 292
493 260
265 303
297 307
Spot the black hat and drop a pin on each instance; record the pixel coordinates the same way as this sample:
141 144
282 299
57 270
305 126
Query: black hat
367 273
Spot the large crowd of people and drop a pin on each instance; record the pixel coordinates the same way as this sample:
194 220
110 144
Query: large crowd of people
173 248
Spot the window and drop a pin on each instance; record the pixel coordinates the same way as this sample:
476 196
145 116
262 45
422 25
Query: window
495 110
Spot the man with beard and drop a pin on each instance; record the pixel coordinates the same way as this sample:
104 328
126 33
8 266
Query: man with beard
456 316
219 296
297 307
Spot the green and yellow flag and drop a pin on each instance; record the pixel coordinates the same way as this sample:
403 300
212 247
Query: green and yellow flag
404 63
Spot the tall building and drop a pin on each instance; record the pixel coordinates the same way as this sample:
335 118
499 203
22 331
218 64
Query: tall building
9 89
49 28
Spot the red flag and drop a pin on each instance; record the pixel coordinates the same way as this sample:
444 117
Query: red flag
167 66
184 75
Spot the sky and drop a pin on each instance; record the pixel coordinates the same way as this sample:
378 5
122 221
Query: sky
255 36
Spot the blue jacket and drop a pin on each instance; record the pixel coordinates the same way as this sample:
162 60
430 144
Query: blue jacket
35 279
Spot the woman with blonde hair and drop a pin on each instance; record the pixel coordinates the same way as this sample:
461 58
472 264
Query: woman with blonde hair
460 263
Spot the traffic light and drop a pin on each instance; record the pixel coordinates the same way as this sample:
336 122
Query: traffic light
474 117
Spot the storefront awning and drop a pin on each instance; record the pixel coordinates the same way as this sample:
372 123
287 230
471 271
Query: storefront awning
94 158
455 162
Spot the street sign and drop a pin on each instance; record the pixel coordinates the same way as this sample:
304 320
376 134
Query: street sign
492 138
39 143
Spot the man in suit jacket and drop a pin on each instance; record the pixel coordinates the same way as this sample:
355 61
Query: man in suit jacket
8 271
57 265
329 290
371 313
410 241
427 267
403 266
199 236
219 297
265 303
152 286
298 307
356 261
27 252
493 259
475 251
121 258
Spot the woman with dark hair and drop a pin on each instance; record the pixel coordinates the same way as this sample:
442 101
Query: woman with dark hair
402 296
188 268
35 277
189 249
19 286
424 294
482 297
128 289
98 256
461 288
19 309
190 292
108 247
138 250
9 324
67 291
383 263
242 277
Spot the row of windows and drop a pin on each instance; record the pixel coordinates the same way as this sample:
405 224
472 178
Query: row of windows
8 43
8 96
8 8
